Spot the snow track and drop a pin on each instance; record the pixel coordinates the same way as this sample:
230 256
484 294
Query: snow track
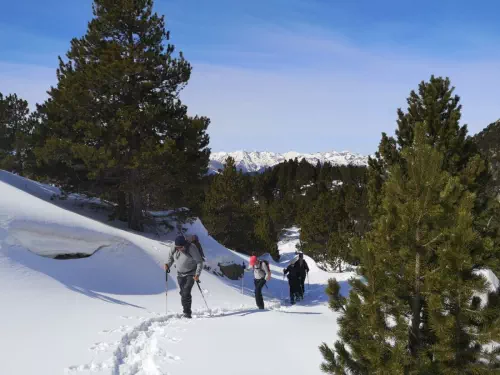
139 351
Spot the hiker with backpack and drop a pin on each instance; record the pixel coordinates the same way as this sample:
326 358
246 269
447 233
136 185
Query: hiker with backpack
291 273
302 271
189 264
261 274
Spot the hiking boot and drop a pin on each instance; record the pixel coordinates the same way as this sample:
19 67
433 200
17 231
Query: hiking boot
187 315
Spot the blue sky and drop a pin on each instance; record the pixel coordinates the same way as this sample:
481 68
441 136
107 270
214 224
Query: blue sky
282 75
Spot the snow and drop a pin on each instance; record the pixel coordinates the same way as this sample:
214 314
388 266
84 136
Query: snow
256 161
107 313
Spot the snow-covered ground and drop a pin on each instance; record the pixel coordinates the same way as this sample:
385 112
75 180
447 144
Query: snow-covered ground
107 313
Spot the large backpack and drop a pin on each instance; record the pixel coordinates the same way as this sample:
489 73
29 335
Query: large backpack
194 240
267 264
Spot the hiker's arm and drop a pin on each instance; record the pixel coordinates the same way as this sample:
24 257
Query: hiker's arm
170 260
307 267
267 270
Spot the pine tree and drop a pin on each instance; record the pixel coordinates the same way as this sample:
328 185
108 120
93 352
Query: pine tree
15 132
228 214
116 113
326 229
266 234
435 105
417 313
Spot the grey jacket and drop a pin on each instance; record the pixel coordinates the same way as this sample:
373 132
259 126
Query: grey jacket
261 271
187 262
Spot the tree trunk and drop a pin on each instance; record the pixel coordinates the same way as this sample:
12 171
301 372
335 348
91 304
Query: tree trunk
135 218
121 213
415 339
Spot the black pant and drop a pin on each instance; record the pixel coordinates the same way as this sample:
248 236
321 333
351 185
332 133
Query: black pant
259 284
302 279
185 286
294 288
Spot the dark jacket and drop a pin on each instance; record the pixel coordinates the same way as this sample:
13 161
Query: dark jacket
291 272
302 267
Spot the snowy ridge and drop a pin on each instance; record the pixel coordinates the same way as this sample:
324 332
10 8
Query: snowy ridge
256 161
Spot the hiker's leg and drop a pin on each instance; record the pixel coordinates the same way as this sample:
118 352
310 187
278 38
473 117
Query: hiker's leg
259 284
301 286
292 291
186 285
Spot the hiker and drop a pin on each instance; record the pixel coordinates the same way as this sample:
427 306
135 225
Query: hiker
196 242
189 264
261 274
291 273
302 271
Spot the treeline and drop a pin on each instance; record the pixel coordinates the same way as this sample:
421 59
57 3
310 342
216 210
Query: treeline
248 212
114 126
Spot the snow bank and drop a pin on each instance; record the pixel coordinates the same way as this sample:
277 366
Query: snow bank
43 227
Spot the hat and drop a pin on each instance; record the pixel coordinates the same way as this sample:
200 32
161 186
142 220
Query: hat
252 261
180 241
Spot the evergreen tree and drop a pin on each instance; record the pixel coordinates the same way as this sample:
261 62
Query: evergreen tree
417 312
436 106
267 234
15 133
116 115
326 229
228 214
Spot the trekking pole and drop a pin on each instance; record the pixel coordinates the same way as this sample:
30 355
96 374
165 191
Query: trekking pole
308 286
167 271
199 287
282 287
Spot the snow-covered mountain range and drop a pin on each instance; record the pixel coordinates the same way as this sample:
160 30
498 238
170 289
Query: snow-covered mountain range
255 161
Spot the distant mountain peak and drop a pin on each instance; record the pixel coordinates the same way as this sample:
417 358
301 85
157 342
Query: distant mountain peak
258 161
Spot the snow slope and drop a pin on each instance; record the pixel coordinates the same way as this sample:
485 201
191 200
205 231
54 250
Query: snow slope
107 313
258 161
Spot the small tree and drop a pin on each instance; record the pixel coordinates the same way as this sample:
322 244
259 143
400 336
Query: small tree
15 133
326 229
266 234
227 211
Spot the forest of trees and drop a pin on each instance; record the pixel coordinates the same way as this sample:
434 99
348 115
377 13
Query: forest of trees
247 212
421 221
